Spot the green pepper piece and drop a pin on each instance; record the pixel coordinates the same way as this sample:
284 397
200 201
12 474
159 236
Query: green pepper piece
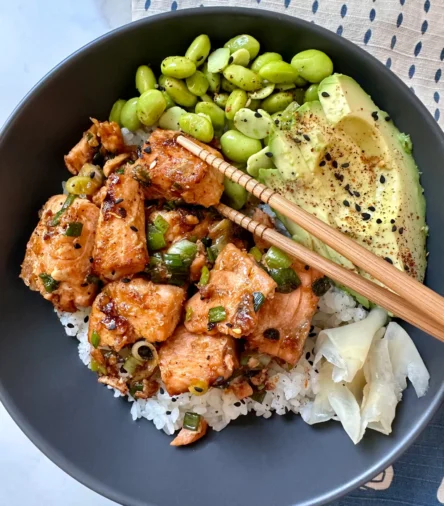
49 282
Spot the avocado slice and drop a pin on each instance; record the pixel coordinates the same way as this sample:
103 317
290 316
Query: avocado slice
354 171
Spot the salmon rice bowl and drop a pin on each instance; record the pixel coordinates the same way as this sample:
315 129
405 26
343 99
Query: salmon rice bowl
196 321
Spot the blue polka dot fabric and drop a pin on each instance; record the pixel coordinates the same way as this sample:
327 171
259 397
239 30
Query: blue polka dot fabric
406 35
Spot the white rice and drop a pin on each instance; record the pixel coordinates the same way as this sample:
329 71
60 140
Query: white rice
293 390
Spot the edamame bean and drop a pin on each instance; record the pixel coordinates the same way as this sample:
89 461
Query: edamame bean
215 113
278 101
278 72
145 79
206 98
285 86
197 126
199 49
170 119
221 99
218 60
168 100
177 90
263 59
259 160
263 92
81 185
312 65
256 125
236 101
311 93
238 147
227 86
150 107
128 115
243 78
234 195
300 82
178 66
197 83
244 42
212 78
240 57
116 111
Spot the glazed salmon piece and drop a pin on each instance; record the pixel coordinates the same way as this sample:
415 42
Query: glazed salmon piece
120 249
186 436
126 311
58 265
233 280
186 356
176 174
284 322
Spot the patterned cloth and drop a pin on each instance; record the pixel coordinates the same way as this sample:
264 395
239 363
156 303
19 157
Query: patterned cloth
408 36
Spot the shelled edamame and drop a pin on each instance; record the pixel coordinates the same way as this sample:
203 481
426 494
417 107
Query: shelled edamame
233 92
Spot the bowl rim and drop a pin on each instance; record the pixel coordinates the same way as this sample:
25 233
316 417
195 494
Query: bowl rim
26 426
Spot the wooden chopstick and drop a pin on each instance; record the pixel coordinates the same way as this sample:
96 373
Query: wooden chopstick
417 294
365 287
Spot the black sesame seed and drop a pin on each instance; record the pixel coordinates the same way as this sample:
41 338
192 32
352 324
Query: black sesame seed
276 122
339 177
118 201
306 137
310 362
198 389
346 203
229 325
358 207
356 194
174 399
272 334
372 209
126 280
296 140
379 221
237 404
389 260
77 245
257 115
311 328
345 165
307 267
328 156
388 118
91 260
312 334
147 150
122 212
135 229
230 60
92 174
168 412
321 164
325 94
307 355
84 284
401 230
394 228
366 216
86 319
211 326
269 154
375 115
382 179
162 391
392 221
335 164
70 325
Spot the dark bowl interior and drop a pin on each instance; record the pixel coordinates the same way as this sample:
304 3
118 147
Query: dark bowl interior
58 402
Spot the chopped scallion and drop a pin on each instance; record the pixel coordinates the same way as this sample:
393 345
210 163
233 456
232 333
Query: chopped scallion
286 279
68 202
186 249
191 421
212 254
49 282
277 259
258 300
161 223
204 276
258 396
95 339
131 364
321 286
217 314
256 253
155 238
97 367
74 229
188 313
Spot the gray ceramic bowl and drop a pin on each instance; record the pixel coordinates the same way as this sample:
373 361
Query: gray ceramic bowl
59 404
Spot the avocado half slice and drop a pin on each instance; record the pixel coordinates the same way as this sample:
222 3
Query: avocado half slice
343 160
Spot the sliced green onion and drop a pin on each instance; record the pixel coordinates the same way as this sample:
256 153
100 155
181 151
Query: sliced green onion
217 314
191 421
68 202
193 238
188 313
173 260
167 268
256 253
204 276
277 259
206 241
170 205
74 229
49 282
155 238
131 364
186 249
120 171
258 300
258 396
141 175
137 387
95 339
97 367
211 254
286 279
321 286
161 223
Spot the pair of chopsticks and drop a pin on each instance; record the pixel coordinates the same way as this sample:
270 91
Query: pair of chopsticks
410 300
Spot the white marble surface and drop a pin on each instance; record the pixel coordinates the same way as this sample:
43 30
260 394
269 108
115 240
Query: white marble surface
35 35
